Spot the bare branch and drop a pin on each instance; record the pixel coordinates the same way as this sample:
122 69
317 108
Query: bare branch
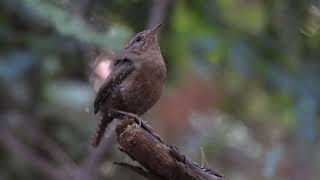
156 157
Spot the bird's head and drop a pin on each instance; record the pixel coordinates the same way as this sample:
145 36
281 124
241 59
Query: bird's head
144 41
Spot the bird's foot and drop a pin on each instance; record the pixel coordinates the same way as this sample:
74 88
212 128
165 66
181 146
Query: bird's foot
140 121
132 115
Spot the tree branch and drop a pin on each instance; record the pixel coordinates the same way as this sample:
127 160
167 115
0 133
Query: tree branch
157 158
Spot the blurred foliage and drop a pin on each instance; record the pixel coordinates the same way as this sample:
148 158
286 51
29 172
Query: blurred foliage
243 83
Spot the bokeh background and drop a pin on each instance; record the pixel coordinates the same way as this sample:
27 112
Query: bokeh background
243 85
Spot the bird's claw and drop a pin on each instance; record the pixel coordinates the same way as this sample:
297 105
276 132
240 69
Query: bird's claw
141 122
132 115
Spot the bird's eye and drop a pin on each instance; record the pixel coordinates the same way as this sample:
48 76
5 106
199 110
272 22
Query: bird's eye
138 39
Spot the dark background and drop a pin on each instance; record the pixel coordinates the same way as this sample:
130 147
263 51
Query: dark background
243 85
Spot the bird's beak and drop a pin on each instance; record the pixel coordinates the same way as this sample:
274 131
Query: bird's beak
154 30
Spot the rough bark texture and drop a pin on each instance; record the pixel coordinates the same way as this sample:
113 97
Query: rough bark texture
159 160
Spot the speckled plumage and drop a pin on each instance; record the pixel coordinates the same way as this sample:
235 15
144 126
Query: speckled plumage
136 80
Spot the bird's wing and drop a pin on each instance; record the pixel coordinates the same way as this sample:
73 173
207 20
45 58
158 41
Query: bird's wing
120 70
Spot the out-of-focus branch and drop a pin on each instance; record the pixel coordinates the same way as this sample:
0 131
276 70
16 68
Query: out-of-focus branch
138 170
69 25
13 145
159 160
290 20
80 8
90 165
157 12
38 137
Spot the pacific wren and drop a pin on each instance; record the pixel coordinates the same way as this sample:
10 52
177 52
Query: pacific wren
135 82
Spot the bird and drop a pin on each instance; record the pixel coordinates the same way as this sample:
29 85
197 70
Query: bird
135 83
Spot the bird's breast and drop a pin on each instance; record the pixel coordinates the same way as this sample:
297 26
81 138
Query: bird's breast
143 88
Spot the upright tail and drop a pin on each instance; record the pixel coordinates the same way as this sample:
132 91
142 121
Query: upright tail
105 120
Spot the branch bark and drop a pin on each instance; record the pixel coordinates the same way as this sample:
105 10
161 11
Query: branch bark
159 160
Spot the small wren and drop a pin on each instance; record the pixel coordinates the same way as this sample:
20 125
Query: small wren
135 82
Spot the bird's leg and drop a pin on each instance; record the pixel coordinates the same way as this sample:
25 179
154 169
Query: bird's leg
132 115
141 122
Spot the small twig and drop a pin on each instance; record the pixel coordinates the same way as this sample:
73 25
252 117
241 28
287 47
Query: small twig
183 159
204 162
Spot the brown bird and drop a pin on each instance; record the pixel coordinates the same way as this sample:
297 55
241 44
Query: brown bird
135 82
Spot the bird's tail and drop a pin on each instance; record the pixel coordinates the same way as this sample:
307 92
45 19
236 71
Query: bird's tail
102 126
